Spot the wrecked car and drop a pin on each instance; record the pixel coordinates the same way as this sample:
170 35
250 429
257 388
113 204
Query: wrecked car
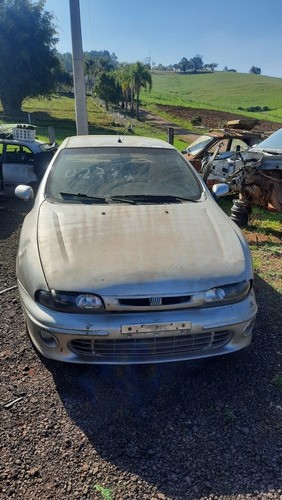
221 143
23 158
112 265
256 173
264 173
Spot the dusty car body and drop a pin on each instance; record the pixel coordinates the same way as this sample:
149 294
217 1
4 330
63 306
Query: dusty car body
23 160
126 258
222 142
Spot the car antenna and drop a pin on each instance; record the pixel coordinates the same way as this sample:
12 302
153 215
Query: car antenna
119 140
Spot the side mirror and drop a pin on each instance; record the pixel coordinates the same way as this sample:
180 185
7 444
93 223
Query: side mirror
220 190
24 192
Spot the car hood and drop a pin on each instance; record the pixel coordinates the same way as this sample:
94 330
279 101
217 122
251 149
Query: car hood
139 249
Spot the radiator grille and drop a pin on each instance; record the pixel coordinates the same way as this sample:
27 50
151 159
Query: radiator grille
150 348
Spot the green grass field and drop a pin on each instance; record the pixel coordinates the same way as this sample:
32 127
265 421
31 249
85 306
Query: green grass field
59 112
222 91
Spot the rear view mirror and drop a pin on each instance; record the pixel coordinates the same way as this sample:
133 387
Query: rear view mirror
220 190
24 192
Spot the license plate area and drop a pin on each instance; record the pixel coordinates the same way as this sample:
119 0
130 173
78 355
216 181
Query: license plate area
180 327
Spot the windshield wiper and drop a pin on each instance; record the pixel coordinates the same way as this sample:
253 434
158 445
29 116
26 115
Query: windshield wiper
135 198
128 198
94 199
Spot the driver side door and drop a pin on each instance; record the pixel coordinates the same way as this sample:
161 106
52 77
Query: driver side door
18 164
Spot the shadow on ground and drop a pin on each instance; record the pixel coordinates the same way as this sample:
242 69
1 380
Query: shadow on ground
12 213
190 429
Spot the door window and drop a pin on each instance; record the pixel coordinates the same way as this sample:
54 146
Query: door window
17 153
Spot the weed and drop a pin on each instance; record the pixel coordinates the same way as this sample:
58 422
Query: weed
229 415
278 381
105 492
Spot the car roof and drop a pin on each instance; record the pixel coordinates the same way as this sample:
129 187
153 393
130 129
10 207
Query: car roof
87 141
272 143
233 133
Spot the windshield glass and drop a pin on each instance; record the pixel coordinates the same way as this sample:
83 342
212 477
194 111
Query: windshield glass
120 172
199 144
272 143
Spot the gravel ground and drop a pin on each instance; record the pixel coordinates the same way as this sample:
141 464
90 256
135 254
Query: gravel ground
203 430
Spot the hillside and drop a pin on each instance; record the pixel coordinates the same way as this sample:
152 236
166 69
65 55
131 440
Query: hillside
222 91
176 98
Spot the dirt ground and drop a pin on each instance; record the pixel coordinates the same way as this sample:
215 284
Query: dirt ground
214 119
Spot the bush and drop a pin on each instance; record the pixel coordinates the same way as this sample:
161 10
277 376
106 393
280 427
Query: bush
254 109
197 120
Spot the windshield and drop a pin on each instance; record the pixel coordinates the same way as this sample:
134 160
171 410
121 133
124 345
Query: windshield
97 174
272 143
199 144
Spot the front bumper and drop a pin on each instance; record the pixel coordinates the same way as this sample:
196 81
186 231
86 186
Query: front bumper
106 338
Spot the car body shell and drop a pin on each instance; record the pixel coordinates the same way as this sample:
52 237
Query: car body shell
261 183
228 138
24 161
150 263
255 174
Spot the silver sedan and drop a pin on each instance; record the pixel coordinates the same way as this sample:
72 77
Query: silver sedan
127 258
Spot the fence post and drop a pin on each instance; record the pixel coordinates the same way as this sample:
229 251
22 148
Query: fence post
170 135
1 178
51 134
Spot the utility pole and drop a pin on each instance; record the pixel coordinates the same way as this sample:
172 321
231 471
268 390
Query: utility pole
78 72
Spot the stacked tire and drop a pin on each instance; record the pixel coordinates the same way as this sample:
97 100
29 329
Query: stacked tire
240 213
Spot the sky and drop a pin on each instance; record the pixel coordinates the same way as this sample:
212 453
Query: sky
238 34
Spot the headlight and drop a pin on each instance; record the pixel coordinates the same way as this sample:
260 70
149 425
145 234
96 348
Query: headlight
227 294
71 302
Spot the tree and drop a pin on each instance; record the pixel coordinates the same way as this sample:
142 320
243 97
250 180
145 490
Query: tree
63 79
66 60
255 70
196 63
28 61
132 78
142 77
210 66
97 63
90 71
184 65
231 70
107 89
213 66
125 80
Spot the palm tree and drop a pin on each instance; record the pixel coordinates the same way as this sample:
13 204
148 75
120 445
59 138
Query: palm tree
124 79
89 72
142 78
